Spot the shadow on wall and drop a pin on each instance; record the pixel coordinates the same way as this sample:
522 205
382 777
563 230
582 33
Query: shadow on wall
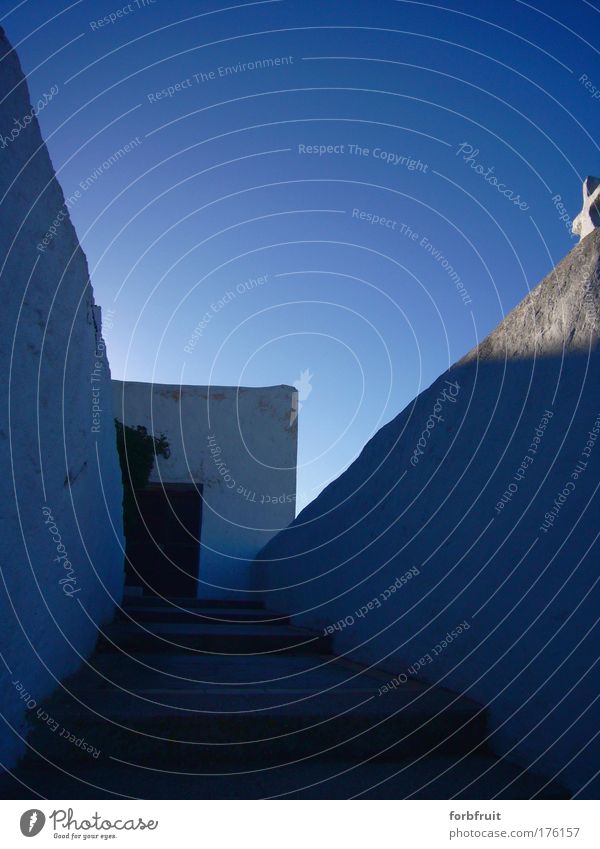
485 488
61 544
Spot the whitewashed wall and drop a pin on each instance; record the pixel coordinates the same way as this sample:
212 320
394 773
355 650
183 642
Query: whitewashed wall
60 486
241 445
487 484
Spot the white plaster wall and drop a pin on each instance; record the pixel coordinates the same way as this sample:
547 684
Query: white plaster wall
531 597
50 457
241 445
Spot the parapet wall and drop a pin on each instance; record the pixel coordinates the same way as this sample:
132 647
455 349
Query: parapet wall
61 523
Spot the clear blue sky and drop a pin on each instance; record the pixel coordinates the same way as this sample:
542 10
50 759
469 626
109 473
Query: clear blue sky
218 186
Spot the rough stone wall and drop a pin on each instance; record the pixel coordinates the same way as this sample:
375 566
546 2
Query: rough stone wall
241 445
562 313
61 522
487 486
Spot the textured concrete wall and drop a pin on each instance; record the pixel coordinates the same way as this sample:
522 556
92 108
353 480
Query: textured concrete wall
61 521
486 485
241 445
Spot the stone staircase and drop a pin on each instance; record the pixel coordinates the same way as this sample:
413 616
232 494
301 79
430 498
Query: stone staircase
223 699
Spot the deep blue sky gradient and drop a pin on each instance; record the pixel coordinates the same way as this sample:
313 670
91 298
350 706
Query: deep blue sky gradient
216 191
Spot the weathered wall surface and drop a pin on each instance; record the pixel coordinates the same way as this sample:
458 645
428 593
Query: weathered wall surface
61 521
486 485
241 445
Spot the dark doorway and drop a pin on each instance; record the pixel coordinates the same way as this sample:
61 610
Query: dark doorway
163 546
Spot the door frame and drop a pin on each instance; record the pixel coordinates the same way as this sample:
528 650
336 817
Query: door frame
134 548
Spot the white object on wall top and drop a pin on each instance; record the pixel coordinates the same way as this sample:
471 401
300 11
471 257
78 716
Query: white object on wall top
589 217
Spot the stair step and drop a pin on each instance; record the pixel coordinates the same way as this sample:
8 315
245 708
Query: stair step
175 691
141 671
201 728
201 616
231 639
187 602
434 777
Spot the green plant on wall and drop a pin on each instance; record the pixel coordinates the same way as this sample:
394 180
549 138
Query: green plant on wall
137 451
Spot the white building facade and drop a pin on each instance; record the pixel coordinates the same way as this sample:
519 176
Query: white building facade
227 486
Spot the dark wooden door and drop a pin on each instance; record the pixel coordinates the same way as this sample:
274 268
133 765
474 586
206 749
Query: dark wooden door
163 547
